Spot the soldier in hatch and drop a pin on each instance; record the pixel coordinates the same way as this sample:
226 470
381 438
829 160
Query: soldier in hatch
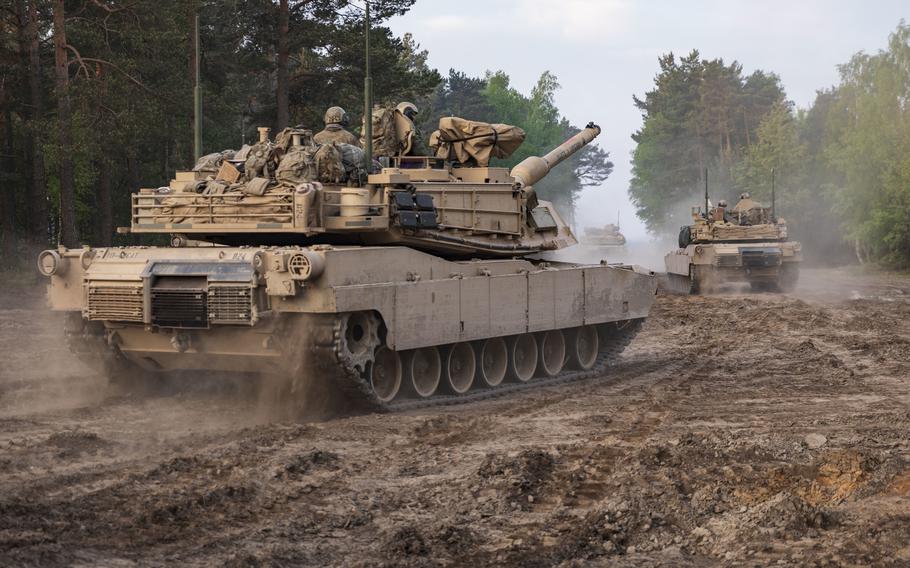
722 214
335 122
411 141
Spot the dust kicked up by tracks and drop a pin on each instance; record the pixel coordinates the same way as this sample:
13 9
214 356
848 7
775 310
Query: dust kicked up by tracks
737 429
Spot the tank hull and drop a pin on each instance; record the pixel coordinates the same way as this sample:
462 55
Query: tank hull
767 266
354 313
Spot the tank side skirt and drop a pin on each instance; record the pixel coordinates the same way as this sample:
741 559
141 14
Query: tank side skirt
426 313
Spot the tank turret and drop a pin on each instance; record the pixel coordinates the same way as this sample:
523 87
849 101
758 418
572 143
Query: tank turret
293 191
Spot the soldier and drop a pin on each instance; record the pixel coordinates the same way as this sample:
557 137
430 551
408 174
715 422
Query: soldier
722 214
412 142
335 122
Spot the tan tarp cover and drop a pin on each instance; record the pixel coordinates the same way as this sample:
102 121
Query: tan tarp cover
235 206
474 143
737 232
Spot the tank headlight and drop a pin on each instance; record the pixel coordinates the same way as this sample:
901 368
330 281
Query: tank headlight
50 263
305 265
698 250
86 257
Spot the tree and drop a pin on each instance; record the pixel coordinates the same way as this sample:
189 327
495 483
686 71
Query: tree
868 128
281 89
701 114
778 147
37 202
457 95
68 235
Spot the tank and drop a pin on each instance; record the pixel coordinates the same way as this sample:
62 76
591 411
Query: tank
608 236
748 244
414 284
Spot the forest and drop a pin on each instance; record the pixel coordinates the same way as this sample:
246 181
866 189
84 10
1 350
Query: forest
842 166
96 99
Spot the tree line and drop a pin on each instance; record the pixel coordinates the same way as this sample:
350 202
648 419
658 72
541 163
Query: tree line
842 166
96 98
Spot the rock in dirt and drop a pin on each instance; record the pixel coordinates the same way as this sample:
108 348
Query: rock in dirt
815 441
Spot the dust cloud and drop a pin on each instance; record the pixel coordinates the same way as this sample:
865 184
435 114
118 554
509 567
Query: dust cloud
40 376
38 373
648 253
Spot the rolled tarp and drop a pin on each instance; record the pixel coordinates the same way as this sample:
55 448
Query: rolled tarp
474 143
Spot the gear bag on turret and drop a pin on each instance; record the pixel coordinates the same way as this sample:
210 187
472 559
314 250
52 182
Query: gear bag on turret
386 141
297 166
330 164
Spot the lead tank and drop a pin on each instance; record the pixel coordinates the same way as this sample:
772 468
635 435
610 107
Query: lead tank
414 284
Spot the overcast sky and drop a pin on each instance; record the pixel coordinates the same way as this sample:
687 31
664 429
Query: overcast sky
604 51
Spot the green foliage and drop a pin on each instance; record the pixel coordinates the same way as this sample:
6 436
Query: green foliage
869 130
457 95
779 148
700 114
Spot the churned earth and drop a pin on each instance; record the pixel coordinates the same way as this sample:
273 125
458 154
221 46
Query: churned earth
737 430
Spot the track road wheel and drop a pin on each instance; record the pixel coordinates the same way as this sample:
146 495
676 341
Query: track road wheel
522 357
551 352
359 338
459 368
424 370
582 347
492 361
385 374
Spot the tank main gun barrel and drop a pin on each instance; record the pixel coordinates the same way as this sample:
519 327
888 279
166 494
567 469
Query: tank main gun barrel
533 168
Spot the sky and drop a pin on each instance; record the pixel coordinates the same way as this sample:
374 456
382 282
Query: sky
604 51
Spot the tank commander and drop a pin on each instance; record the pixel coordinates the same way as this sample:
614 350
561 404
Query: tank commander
749 211
336 119
745 202
408 133
721 212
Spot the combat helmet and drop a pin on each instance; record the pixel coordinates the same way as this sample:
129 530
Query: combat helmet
336 115
407 109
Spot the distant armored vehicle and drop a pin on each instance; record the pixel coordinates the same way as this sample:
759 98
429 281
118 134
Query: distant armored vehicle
746 244
603 237
415 282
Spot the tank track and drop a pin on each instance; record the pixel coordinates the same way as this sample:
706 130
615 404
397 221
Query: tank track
334 373
319 379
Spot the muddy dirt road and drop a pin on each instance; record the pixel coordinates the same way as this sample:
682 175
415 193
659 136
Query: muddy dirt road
738 429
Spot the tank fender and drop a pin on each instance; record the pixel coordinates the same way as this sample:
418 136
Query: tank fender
466 308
